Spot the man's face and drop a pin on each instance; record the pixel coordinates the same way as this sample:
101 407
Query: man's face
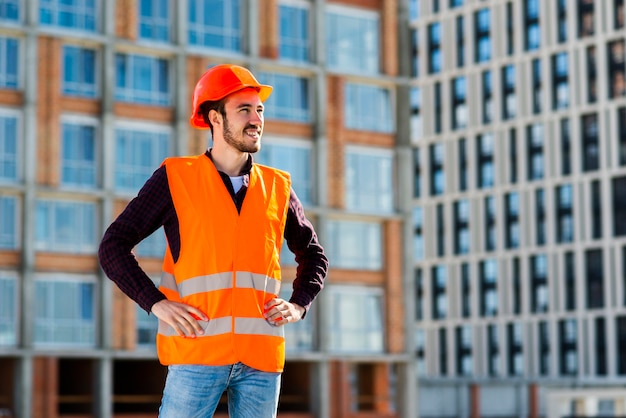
243 123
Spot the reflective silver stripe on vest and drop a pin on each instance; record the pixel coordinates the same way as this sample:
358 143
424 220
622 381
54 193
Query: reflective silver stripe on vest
200 284
257 326
168 281
212 327
247 280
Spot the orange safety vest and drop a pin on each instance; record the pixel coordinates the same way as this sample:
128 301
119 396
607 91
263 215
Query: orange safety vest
228 265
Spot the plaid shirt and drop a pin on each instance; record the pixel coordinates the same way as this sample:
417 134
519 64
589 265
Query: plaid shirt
153 207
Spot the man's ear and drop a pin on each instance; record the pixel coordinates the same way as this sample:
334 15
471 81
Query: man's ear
215 117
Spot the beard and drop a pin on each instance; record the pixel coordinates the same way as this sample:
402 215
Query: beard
237 142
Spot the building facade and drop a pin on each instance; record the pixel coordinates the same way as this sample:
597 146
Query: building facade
518 130
94 94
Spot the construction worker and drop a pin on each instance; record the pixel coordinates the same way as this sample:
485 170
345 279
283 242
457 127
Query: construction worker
225 217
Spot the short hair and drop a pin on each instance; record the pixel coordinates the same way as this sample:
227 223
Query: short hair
206 107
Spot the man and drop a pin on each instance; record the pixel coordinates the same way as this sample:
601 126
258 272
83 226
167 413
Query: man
220 317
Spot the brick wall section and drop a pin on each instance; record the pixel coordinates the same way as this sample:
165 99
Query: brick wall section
389 33
126 19
45 387
474 390
336 152
339 390
394 291
363 4
49 111
268 28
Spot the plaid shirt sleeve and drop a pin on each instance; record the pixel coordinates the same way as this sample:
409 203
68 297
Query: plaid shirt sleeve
310 258
142 216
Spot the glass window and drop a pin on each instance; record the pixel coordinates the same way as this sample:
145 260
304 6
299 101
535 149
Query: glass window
437 176
566 148
139 151
490 223
463 172
417 173
455 3
153 245
79 71
8 308
441 230
9 146
493 349
299 336
486 171
461 227
535 151
570 281
515 349
78 154
562 20
415 52
459 103
539 283
369 180
560 81
590 142
532 32
619 206
617 71
513 156
417 126
142 79
358 319
414 9
618 21
537 86
586 24
72 14
435 56
419 294
355 245
464 364
10 10
438 108
147 326
620 338
466 291
621 135
509 110
592 75
65 226
596 209
9 63
510 29
568 352
564 214
443 352
487 102
595 279
352 40
540 216
368 108
65 311
215 24
154 20
517 286
420 351
601 361
482 27
460 41
294 43
295 158
290 100
9 222
418 237
544 347
511 210
439 285
488 288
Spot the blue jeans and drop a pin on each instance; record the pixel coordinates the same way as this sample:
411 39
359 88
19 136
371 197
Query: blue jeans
194 391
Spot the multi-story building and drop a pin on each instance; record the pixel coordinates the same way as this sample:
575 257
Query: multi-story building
518 130
94 94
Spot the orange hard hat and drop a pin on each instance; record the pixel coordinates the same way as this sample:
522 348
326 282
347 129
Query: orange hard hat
220 81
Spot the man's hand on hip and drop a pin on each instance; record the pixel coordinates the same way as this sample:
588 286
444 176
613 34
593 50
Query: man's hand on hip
180 316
